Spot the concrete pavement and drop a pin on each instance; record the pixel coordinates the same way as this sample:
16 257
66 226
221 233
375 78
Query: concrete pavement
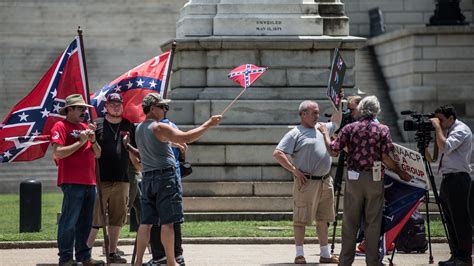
223 254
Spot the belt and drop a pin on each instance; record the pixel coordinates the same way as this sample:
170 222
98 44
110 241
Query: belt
315 177
162 171
360 171
454 174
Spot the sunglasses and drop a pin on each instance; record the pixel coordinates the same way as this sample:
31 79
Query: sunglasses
162 106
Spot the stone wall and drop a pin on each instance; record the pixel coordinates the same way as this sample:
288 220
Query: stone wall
397 14
118 35
429 66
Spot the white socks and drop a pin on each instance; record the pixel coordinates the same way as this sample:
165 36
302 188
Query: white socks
299 251
325 251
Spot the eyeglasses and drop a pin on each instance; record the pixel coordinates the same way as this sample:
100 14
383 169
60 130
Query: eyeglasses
162 106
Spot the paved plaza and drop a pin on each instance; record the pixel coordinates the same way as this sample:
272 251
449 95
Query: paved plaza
223 254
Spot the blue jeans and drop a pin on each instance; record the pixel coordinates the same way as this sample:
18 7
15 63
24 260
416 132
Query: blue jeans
162 197
76 221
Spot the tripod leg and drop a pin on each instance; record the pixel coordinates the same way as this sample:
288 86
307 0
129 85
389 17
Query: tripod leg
134 250
334 224
337 189
438 202
394 250
427 201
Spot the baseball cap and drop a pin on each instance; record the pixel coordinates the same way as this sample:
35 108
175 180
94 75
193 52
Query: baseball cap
154 98
114 97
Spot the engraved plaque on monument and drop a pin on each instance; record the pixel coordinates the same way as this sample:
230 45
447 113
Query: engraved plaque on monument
201 18
268 17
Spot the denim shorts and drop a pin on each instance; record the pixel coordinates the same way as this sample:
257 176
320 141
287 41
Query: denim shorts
162 197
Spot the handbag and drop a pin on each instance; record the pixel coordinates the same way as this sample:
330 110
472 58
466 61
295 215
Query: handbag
185 168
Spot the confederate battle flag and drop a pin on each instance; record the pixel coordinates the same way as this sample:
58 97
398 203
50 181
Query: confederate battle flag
247 74
134 85
24 134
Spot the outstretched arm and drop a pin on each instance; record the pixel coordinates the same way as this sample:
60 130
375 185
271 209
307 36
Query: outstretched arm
165 132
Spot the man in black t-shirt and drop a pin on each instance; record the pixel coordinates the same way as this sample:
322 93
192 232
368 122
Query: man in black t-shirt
113 165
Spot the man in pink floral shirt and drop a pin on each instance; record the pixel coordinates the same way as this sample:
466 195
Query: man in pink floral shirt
368 144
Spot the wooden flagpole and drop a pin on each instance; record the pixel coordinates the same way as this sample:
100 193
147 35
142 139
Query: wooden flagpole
97 168
232 103
238 96
169 68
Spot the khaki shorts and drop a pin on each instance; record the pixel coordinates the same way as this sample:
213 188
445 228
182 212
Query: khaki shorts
313 201
115 199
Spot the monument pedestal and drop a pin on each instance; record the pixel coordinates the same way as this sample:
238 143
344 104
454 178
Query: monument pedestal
295 39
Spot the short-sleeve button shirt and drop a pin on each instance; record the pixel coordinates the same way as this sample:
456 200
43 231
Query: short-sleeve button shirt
366 141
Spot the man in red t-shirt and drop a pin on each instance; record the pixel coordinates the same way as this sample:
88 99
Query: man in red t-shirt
75 149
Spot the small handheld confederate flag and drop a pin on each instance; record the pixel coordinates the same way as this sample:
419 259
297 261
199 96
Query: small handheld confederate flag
25 131
133 86
246 74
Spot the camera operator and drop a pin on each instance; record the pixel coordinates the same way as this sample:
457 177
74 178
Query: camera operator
352 102
456 148
368 143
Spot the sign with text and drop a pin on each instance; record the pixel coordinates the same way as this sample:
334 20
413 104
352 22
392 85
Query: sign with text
338 69
411 162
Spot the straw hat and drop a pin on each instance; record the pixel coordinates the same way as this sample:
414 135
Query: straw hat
73 100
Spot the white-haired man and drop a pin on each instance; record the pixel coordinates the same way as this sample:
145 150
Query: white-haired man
368 143
313 192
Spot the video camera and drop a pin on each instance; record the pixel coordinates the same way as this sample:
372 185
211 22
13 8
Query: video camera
346 117
417 122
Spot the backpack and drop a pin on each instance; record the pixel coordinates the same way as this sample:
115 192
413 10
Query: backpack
412 238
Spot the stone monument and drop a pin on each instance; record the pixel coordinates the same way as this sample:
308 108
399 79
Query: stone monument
295 39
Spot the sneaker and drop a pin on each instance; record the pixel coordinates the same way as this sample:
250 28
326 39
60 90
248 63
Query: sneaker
93 262
115 258
332 259
162 261
180 260
151 263
117 250
70 262
300 260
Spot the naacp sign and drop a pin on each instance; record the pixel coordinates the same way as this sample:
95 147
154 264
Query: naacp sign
411 162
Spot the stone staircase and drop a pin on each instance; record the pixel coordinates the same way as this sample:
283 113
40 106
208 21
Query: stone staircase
370 80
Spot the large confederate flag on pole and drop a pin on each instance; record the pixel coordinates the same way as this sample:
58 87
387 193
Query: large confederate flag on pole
134 85
26 129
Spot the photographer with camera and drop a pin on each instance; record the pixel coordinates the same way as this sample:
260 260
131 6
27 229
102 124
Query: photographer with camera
454 139
352 102
368 143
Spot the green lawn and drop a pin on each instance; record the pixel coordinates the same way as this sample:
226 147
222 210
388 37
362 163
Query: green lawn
51 204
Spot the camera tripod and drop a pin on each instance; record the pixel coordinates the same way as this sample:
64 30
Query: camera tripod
423 138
